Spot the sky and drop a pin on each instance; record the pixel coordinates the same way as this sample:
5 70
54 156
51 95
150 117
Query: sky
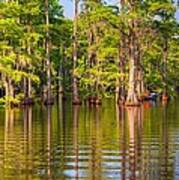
68 7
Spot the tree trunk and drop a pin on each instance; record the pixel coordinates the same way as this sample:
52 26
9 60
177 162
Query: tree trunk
122 70
132 99
64 71
139 76
9 91
90 59
138 59
165 56
120 87
29 84
6 92
117 97
25 87
48 63
29 88
60 73
76 99
120 83
140 83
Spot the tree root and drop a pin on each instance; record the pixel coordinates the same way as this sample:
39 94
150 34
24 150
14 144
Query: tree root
132 100
76 101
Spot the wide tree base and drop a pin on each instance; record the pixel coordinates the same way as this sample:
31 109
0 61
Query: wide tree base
121 102
165 97
27 102
64 98
76 101
132 104
94 101
12 105
61 96
49 102
132 100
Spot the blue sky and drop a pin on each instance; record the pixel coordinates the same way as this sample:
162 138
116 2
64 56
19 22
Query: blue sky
68 7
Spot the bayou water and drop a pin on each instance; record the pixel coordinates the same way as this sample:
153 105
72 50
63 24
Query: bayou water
106 142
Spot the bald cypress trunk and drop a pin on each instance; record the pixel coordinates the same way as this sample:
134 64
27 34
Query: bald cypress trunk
140 73
60 72
165 56
120 87
29 83
48 63
9 91
132 98
75 94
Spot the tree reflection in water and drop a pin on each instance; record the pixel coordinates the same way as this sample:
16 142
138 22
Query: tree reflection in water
135 130
49 138
27 118
8 137
75 139
65 142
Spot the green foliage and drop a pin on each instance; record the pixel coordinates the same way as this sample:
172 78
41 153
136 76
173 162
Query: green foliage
101 30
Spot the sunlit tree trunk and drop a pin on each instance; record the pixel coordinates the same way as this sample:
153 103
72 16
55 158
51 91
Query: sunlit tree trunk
120 87
60 71
117 88
29 84
43 75
122 70
132 98
140 74
97 100
140 83
76 99
165 56
6 91
90 61
27 80
9 90
48 63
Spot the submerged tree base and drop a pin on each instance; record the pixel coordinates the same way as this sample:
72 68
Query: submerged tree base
121 102
132 100
132 104
76 101
94 101
165 97
27 101
49 102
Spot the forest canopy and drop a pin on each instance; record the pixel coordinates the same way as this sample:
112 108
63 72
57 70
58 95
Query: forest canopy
123 51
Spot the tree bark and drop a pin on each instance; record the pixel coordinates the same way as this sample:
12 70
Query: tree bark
140 75
9 91
165 56
48 63
60 72
76 99
120 87
29 83
122 70
132 99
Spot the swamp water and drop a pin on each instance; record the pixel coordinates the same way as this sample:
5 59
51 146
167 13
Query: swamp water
107 142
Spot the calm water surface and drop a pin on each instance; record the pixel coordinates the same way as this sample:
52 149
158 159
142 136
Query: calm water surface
107 142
